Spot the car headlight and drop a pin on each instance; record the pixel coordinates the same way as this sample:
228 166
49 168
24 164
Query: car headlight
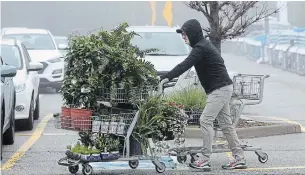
20 88
54 60
191 74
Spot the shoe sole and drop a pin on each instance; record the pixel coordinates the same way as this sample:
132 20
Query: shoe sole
236 167
201 168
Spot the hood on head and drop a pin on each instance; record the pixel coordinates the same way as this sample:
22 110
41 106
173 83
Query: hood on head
193 30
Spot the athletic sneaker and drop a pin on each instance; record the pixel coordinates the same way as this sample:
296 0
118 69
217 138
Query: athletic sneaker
201 164
235 164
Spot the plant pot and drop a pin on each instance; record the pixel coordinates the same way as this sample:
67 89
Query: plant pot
95 157
96 124
85 156
112 156
65 111
135 147
65 118
81 119
104 155
116 154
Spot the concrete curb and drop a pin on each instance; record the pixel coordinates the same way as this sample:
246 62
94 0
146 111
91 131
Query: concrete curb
253 132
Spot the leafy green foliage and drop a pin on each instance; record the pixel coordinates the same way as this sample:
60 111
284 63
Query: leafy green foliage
156 117
192 98
105 59
107 142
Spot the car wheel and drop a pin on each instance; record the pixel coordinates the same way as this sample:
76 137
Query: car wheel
30 121
9 135
36 112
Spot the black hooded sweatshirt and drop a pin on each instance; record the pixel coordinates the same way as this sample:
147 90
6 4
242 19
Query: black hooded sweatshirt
206 59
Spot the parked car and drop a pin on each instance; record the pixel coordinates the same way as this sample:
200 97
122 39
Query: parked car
7 103
62 43
41 46
172 51
26 81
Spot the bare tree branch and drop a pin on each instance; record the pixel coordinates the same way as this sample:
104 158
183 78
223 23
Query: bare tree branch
239 11
240 29
228 19
198 6
224 4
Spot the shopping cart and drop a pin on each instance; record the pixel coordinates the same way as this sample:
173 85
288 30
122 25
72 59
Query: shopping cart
247 90
120 124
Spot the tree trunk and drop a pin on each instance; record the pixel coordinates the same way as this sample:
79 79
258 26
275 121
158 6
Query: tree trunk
215 35
217 43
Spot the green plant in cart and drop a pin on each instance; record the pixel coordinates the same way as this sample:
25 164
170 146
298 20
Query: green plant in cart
106 59
156 117
86 138
192 98
77 148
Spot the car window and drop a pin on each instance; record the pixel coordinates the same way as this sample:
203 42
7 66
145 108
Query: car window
61 40
34 41
26 55
11 56
169 43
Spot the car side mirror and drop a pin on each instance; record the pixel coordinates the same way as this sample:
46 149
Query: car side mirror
35 66
8 71
62 47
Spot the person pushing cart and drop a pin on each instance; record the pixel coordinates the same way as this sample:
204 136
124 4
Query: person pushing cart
218 86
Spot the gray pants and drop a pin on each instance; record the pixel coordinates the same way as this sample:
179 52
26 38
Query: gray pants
218 107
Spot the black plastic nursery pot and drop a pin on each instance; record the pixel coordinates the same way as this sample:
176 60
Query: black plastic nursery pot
135 147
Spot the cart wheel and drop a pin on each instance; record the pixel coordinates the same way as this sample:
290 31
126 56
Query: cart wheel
87 169
181 159
73 169
161 169
133 164
263 158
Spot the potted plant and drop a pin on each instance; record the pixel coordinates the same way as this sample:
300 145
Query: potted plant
85 153
158 120
100 144
77 148
193 100
95 154
106 60
114 146
86 138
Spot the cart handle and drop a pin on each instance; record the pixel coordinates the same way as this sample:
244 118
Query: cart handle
161 85
255 75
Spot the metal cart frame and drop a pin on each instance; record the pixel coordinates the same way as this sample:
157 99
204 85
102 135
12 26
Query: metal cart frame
73 161
247 90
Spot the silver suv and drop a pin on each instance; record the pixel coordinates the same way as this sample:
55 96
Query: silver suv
171 51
